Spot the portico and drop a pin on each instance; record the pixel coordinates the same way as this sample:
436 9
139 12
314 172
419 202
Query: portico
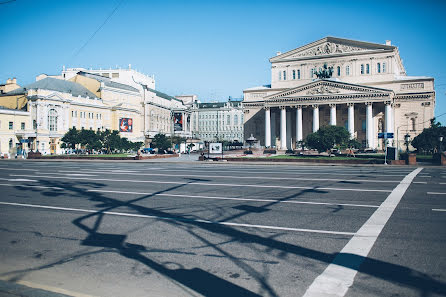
327 102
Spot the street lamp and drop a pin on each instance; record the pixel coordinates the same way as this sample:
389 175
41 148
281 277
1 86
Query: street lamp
406 141
440 138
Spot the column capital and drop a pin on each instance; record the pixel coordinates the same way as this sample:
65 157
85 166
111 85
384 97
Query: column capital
350 104
315 106
388 102
282 107
298 106
368 103
266 108
332 104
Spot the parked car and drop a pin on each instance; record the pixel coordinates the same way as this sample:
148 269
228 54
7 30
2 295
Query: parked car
148 150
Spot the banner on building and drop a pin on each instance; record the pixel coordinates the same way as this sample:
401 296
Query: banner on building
125 125
178 121
215 148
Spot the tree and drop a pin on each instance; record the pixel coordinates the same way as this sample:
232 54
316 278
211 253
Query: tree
71 138
327 137
111 140
161 142
428 140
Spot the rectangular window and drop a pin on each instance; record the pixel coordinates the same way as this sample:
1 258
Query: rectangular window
347 70
115 75
106 74
339 70
34 124
367 68
384 67
364 125
22 126
228 120
362 68
280 75
298 74
294 74
11 125
284 75
378 67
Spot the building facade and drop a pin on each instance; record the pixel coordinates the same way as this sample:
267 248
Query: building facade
368 92
218 121
122 100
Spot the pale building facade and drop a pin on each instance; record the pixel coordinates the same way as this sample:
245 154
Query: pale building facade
218 120
369 92
85 100
15 126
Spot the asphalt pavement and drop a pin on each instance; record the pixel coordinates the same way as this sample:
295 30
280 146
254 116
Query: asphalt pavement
214 229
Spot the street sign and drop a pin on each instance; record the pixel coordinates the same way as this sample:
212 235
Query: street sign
385 135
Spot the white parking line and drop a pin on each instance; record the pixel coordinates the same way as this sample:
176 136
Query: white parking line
205 184
436 193
438 209
236 199
339 275
178 219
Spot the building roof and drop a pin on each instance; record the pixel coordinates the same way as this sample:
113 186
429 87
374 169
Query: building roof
108 82
218 104
163 95
55 84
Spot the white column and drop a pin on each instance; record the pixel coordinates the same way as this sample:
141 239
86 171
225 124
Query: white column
283 128
389 117
315 118
299 134
333 114
351 120
369 125
267 127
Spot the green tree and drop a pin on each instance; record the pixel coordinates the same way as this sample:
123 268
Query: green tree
161 142
327 137
111 140
71 138
428 140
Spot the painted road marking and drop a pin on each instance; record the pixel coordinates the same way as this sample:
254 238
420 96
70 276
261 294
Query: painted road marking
438 209
236 177
19 180
339 275
231 198
29 186
436 193
204 184
178 219
419 182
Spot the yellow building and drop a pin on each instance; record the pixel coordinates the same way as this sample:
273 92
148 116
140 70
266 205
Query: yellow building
15 126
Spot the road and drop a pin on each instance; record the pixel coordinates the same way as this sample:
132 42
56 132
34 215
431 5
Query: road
199 229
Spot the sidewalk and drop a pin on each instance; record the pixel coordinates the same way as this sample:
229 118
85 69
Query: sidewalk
8 289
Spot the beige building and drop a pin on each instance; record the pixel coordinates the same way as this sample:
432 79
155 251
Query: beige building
368 92
15 127
54 104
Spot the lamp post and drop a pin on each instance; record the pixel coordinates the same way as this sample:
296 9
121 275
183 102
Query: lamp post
406 141
440 138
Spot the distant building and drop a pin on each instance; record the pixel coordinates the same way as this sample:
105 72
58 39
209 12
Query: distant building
368 92
122 100
218 121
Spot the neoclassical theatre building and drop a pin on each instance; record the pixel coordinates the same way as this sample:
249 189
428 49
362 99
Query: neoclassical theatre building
368 92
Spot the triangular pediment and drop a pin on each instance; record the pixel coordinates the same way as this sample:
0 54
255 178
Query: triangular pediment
330 46
56 97
327 88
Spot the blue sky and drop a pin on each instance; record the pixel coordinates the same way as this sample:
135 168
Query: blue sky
214 49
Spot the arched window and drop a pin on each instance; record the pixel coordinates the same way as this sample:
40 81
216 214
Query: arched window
52 120
298 73
339 70
378 67
294 74
413 124
347 70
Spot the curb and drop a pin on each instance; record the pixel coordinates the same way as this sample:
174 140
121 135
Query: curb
8 289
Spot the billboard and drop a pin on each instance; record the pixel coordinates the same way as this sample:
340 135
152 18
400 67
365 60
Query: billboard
178 121
125 125
215 148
